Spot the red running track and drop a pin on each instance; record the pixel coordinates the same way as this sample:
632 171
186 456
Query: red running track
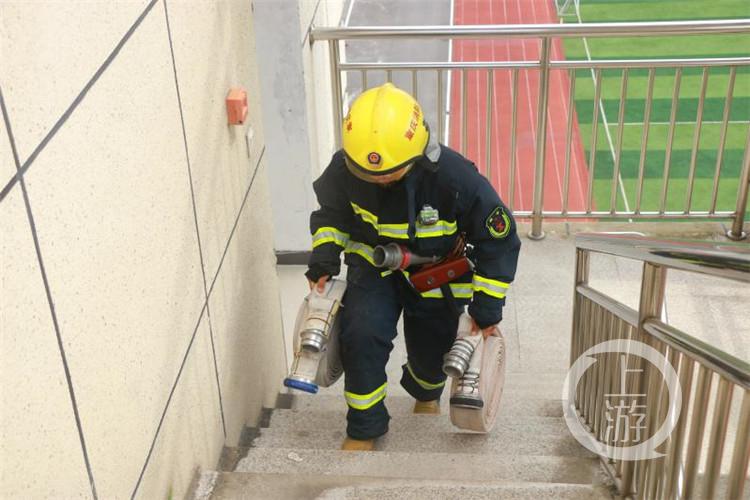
516 12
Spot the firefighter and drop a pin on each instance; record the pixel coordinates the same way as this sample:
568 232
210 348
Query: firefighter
393 182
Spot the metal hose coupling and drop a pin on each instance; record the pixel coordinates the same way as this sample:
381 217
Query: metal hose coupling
312 340
467 393
456 361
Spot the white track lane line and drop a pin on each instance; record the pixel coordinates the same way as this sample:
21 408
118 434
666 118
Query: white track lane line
604 118
574 164
349 13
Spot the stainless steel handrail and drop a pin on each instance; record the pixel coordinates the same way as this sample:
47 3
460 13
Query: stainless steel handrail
721 259
567 64
726 365
536 210
598 318
534 30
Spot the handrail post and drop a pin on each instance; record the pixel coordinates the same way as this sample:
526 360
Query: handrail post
737 233
541 141
653 287
581 278
336 97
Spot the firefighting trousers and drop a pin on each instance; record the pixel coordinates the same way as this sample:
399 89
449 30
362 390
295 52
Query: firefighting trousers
372 306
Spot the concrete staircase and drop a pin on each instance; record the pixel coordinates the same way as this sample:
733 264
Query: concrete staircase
294 454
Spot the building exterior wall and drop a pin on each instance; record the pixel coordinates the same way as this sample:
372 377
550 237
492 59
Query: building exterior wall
139 306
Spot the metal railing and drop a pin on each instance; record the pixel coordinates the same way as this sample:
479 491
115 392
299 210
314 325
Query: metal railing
598 318
445 73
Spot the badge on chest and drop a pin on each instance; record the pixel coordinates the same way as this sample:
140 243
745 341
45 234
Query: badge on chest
428 216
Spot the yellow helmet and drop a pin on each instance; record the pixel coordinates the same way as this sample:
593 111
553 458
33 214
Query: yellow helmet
383 133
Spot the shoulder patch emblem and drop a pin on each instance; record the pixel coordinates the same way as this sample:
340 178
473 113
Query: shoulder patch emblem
498 223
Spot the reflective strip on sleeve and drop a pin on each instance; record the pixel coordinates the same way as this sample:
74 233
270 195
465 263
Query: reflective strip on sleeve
366 216
361 249
493 288
329 234
365 401
423 383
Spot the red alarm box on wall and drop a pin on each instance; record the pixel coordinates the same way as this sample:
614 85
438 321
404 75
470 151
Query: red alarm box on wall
236 106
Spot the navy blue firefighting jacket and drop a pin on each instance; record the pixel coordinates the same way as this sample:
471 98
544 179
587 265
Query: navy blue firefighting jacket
355 216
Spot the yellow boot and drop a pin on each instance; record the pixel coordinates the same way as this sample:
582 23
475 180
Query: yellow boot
358 444
427 407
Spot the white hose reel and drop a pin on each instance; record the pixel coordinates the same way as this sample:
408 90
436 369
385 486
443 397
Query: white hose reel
477 369
317 361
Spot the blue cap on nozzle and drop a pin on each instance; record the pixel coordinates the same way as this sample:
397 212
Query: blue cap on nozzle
301 386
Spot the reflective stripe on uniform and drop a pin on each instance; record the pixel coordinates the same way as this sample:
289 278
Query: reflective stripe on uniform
441 228
329 234
365 401
361 249
423 383
368 217
493 288
400 231
459 291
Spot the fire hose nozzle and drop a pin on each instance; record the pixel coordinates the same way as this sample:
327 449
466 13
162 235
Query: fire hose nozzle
395 257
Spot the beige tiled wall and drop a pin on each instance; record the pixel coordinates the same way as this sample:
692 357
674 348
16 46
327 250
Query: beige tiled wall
155 242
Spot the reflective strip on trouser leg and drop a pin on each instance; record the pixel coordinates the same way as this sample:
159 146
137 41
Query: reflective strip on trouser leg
423 383
419 388
365 401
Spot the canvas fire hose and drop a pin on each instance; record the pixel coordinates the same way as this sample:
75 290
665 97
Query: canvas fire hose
317 362
477 369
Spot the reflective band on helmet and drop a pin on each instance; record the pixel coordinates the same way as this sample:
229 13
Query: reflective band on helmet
365 401
329 234
493 288
422 383
361 249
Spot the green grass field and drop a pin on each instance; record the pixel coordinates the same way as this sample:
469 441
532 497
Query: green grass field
664 47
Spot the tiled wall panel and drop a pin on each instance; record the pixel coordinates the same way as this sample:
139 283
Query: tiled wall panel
247 317
38 437
211 56
114 215
49 51
118 227
191 428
